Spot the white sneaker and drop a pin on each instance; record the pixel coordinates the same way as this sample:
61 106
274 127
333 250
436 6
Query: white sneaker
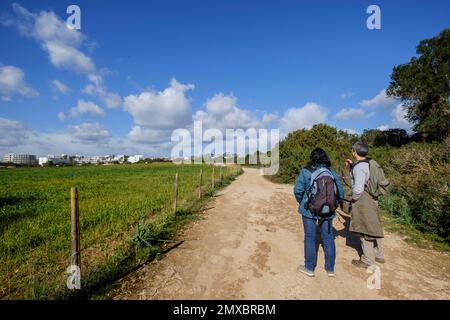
302 269
331 274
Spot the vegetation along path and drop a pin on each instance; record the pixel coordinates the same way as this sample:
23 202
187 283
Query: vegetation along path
250 242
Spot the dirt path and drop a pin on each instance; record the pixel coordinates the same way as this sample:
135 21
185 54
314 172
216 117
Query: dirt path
249 244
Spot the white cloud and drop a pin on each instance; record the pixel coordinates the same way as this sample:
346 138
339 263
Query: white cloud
222 112
399 118
61 116
12 132
81 108
45 26
164 110
66 57
347 95
112 99
149 136
89 132
85 138
350 131
383 127
381 99
59 87
220 105
300 118
350 113
269 117
12 81
61 43
63 46
96 88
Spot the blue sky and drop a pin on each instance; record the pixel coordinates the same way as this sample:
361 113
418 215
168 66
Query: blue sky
137 70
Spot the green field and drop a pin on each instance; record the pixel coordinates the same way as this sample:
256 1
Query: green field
125 212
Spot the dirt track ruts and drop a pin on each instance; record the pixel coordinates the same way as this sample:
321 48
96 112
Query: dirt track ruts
250 242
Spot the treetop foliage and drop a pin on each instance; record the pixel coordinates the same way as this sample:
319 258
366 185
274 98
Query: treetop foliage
423 85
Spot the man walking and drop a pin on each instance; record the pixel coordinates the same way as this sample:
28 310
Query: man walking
365 221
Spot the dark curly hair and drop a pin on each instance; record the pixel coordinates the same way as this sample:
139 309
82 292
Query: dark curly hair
319 157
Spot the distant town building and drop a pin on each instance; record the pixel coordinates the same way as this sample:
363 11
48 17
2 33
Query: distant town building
107 159
55 160
67 159
119 158
135 158
15 158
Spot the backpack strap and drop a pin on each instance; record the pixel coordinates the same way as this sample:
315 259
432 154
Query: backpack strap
308 190
321 221
367 160
334 179
312 184
337 190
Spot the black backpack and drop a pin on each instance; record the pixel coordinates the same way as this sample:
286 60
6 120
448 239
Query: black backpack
322 194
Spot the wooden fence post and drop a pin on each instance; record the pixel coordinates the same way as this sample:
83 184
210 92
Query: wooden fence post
221 175
176 193
200 184
75 258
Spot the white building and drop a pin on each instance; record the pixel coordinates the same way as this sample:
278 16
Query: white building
119 158
55 160
19 158
42 160
135 158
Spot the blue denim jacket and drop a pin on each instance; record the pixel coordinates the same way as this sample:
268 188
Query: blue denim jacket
302 184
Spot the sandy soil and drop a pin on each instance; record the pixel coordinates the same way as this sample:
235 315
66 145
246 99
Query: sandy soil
250 242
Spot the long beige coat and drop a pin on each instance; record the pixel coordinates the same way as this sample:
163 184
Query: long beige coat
365 219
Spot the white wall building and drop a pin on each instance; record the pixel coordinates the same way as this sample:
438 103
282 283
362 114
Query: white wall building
119 158
19 158
55 160
135 158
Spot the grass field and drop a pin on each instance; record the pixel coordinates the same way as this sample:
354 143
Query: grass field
125 212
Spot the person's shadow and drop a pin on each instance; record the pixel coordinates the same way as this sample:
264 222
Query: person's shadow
351 240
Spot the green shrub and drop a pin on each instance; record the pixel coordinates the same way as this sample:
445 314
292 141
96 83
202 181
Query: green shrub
416 158
420 174
427 195
296 148
397 206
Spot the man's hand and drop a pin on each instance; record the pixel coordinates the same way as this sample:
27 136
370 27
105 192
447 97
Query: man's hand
348 162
